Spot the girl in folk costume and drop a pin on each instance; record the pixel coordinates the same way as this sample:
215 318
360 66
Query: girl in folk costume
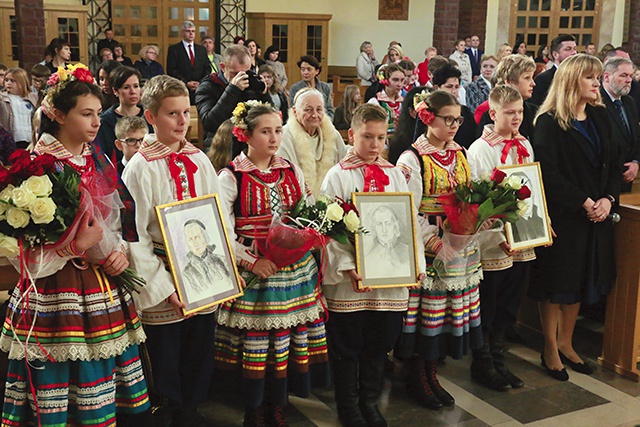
309 139
444 316
392 79
365 324
277 327
73 345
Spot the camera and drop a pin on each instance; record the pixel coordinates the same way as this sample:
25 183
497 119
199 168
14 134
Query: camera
255 82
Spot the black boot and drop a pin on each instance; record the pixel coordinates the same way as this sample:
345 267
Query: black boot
419 385
442 394
497 354
274 416
345 378
483 371
371 381
254 417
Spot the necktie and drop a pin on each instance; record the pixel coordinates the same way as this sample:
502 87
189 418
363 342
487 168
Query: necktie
521 150
176 162
619 107
191 57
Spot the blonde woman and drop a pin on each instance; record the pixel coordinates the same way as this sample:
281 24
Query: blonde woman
581 175
147 64
504 50
17 105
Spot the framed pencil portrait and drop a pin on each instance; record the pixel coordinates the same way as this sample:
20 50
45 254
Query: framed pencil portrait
533 228
387 254
199 252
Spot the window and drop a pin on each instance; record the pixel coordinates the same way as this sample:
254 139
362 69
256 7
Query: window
537 22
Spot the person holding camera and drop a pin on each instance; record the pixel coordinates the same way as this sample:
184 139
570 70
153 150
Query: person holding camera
219 93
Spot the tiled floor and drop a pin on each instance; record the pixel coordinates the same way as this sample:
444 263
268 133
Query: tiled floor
601 400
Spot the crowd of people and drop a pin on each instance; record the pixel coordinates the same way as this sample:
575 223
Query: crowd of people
420 128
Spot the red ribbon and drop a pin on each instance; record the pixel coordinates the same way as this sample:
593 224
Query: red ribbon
375 179
175 170
521 150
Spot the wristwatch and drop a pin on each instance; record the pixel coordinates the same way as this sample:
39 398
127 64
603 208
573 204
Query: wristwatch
611 199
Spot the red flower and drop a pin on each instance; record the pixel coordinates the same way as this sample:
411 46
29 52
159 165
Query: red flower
5 177
523 193
426 116
239 134
55 78
83 75
498 176
47 161
19 154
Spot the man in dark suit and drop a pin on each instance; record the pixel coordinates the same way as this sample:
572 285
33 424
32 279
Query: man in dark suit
635 85
616 84
107 42
475 55
187 61
562 47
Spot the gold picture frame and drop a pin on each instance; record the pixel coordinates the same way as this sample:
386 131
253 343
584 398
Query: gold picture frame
534 229
387 255
199 251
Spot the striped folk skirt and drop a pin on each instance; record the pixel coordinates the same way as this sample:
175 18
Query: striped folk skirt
82 352
443 318
278 324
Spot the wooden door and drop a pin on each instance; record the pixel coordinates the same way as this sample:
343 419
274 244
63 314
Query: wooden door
72 27
8 38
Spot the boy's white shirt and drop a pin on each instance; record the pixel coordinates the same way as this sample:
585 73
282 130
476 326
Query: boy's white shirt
337 285
150 185
483 157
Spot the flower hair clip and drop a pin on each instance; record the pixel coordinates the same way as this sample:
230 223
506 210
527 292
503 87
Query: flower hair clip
59 81
238 119
380 74
422 108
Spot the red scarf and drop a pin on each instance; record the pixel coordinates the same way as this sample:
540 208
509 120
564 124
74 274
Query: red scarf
520 149
176 170
375 179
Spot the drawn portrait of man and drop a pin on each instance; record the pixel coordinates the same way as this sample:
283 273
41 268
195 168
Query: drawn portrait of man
206 273
387 255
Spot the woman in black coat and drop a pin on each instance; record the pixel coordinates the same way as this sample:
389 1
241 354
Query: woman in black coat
581 174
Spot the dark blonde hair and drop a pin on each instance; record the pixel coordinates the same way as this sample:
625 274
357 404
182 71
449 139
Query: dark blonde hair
511 67
254 114
220 151
130 124
368 113
503 94
159 88
22 80
266 68
349 103
564 93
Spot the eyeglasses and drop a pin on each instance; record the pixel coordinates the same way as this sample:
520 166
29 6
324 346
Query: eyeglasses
449 121
132 142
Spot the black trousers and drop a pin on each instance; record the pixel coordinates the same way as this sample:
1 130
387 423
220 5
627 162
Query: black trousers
500 293
181 357
365 336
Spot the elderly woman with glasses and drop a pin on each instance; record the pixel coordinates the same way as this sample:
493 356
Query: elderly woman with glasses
147 64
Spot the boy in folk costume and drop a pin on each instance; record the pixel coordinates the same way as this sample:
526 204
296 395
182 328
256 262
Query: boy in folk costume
365 323
505 271
168 168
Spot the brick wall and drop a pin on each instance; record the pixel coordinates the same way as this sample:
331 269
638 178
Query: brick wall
473 19
445 25
633 43
31 32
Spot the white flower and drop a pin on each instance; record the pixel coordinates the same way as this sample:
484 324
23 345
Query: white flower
334 212
514 182
22 197
8 246
17 218
351 221
5 195
41 186
42 210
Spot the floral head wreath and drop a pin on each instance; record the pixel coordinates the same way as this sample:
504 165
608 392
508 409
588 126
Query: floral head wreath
238 119
422 108
380 73
59 81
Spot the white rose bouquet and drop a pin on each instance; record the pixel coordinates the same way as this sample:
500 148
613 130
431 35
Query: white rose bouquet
37 202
